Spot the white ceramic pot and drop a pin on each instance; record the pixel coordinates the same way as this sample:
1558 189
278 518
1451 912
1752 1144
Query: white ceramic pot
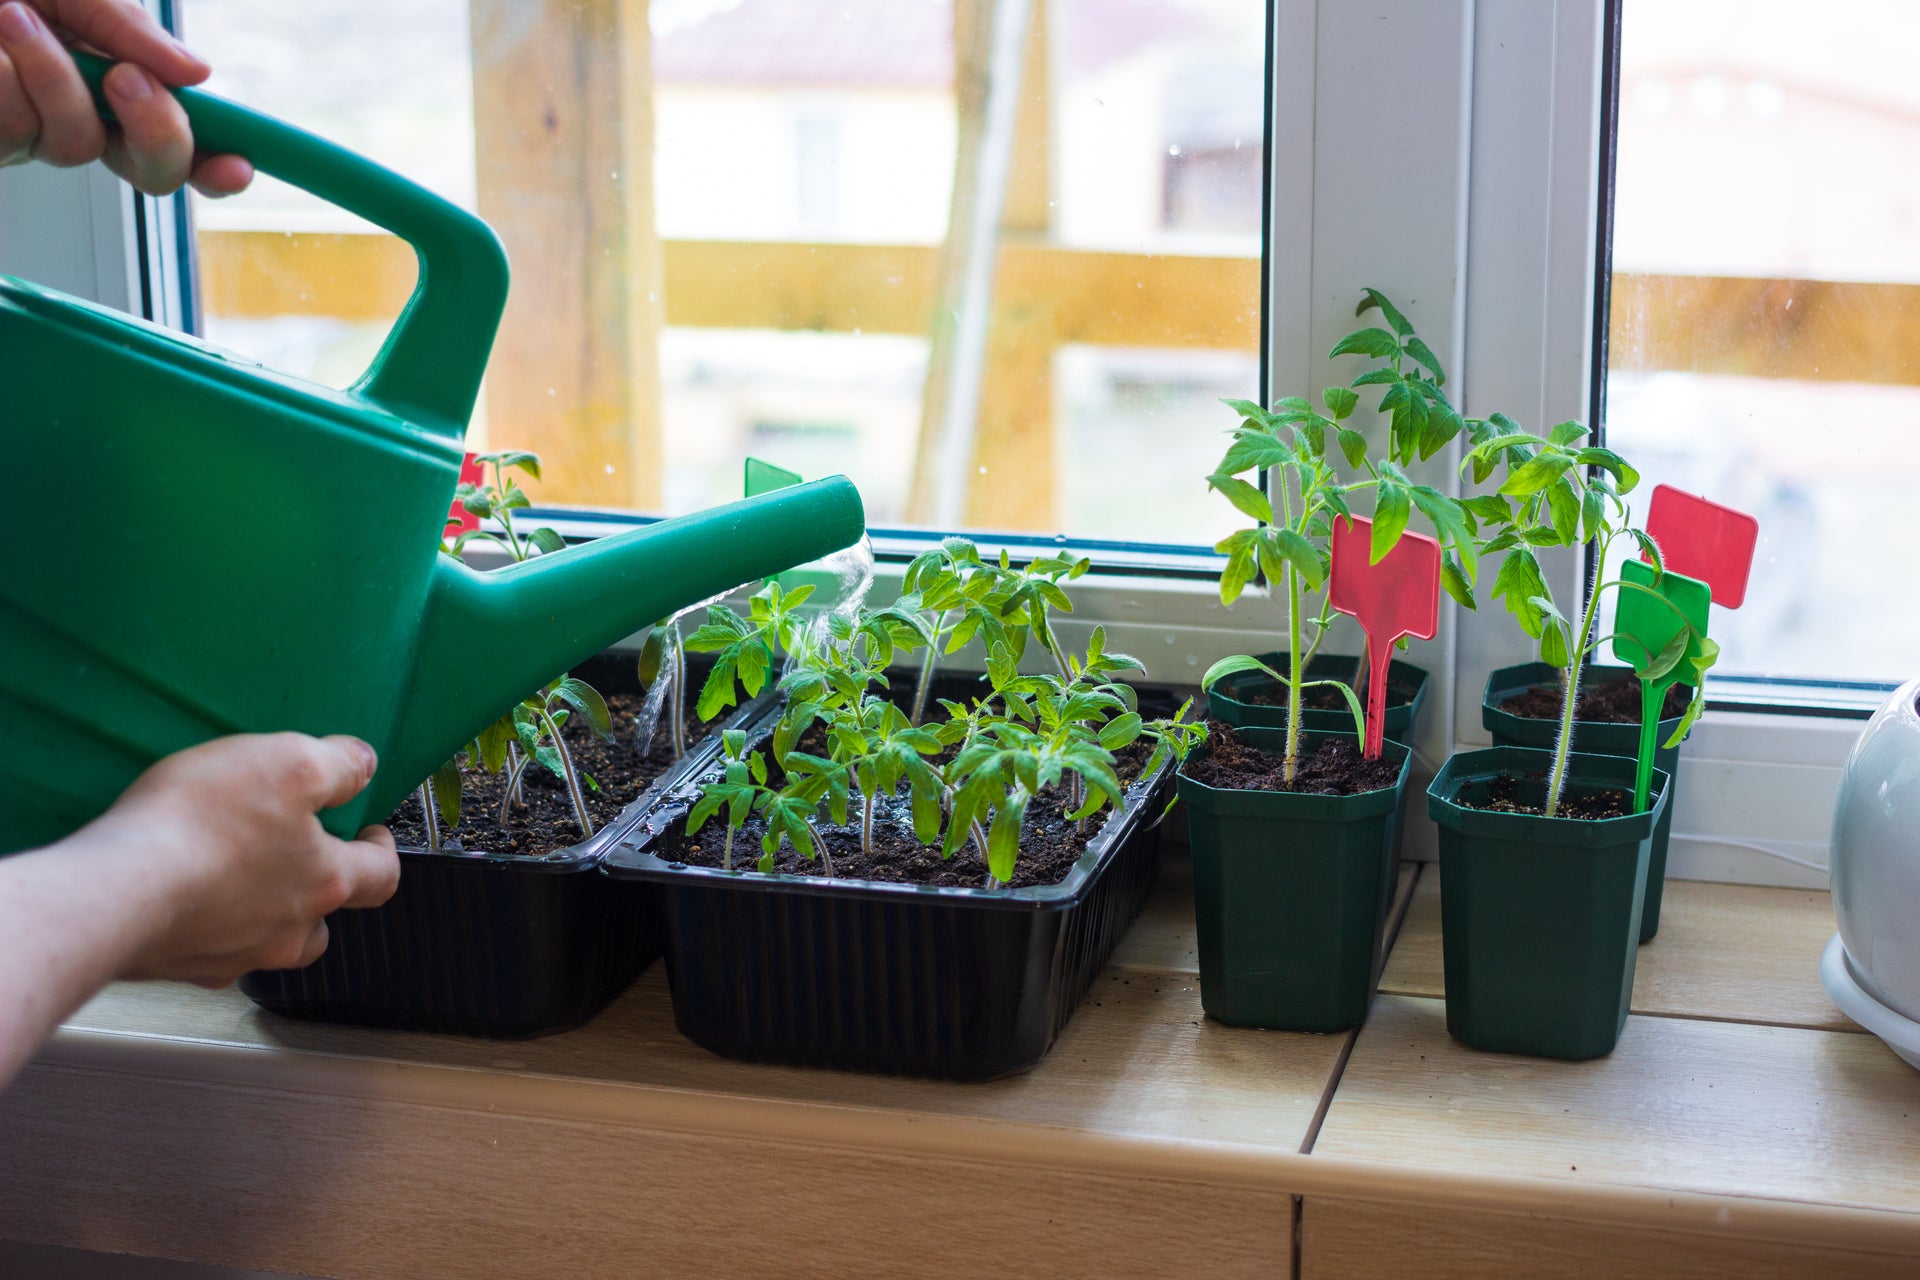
1876 855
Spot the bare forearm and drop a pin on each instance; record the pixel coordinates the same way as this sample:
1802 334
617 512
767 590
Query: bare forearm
72 917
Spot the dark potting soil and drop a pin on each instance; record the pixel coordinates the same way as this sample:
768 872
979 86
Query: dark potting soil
1049 843
1266 693
1334 768
1615 702
1508 795
546 822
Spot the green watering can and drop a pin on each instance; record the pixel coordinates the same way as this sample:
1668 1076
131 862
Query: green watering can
204 546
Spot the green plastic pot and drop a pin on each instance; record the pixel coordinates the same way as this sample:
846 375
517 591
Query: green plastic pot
1540 917
1595 737
1290 894
1227 700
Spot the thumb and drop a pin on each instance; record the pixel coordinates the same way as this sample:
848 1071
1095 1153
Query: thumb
341 767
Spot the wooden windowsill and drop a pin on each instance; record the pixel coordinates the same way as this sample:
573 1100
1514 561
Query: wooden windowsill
1741 1123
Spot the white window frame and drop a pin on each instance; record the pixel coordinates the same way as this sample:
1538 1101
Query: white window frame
1444 151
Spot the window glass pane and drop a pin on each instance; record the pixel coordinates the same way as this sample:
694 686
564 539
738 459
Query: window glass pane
1764 347
773 227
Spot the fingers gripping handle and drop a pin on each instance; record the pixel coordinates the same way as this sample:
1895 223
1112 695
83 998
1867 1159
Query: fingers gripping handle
429 370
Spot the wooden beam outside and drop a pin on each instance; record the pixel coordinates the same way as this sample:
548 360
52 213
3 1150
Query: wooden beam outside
1814 330
1014 483
563 115
1107 299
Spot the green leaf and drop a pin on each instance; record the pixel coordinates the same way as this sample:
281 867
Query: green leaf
1297 551
1247 409
1688 719
1241 566
1233 666
527 462
1566 433
1593 514
1247 498
1120 731
1536 474
1520 582
445 786
1340 401
1353 446
586 699
1374 298
1449 518
1553 644
717 693
1421 352
1392 508
1358 712
1454 581
1366 342
1564 508
1490 507
653 652
1607 460
546 541
492 744
1252 452
1003 837
1649 549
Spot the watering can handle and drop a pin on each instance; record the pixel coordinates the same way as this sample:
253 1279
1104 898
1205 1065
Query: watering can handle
429 370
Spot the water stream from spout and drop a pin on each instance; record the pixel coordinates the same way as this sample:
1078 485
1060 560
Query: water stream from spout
667 695
852 569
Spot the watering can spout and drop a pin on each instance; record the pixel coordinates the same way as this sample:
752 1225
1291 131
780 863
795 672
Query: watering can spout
489 639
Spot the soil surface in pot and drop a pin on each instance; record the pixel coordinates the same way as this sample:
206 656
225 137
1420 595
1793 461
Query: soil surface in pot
1615 702
546 822
1333 768
1049 843
1267 693
1527 796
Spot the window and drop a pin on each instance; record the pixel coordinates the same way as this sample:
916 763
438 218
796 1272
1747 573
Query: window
1764 343
753 226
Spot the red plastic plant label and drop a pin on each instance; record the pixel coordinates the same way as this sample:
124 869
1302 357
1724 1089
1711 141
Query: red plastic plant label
1400 596
459 519
1704 540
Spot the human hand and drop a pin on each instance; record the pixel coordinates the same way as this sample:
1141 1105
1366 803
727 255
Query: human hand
46 112
241 870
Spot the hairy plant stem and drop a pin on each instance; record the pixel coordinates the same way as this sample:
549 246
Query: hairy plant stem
677 691
820 847
1570 688
512 795
1291 762
726 852
979 836
926 670
866 821
570 775
430 815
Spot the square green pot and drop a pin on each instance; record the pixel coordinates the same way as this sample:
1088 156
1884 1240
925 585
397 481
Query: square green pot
1290 895
1227 700
1540 917
1594 737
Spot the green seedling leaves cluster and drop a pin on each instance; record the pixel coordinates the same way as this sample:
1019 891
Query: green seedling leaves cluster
1303 493
1555 491
531 732
1550 491
496 499
967 779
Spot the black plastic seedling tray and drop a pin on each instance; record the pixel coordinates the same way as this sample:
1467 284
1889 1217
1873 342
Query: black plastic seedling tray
489 945
477 944
963 984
